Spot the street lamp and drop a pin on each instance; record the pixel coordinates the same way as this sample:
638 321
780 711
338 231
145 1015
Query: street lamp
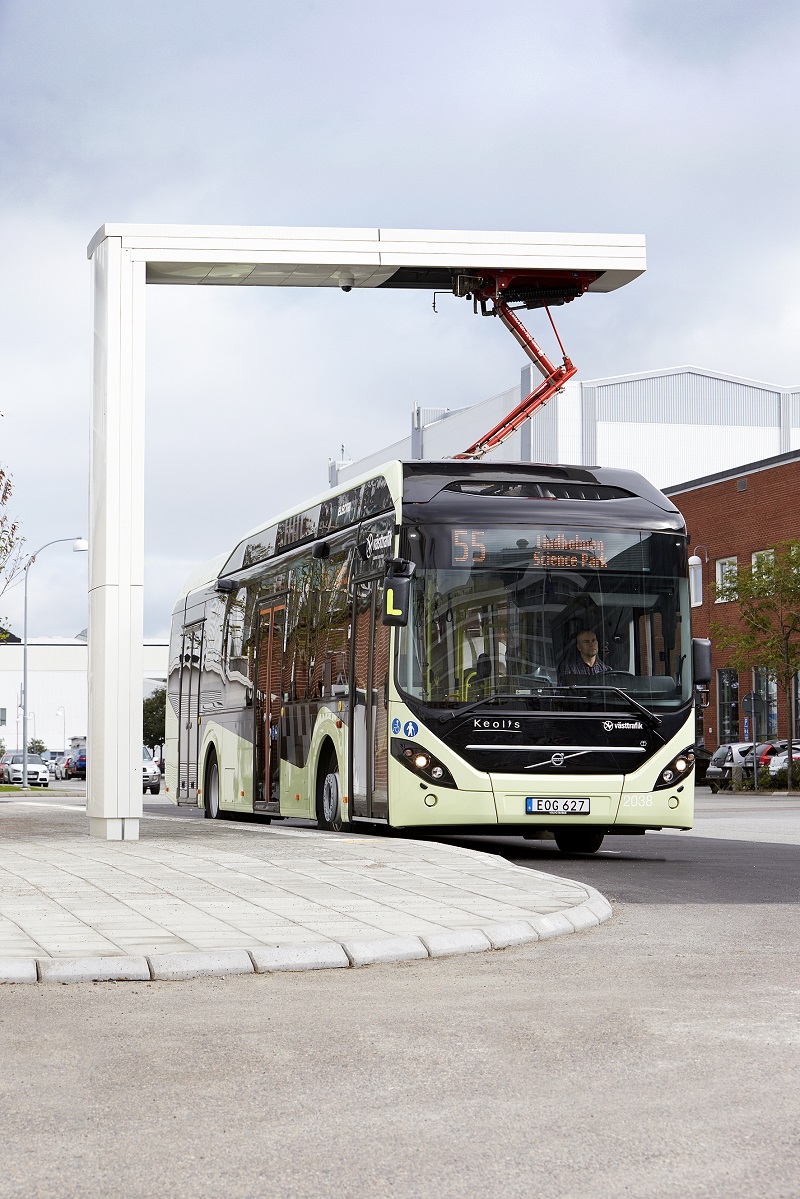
79 545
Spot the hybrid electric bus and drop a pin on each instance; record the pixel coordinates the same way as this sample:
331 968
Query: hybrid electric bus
452 646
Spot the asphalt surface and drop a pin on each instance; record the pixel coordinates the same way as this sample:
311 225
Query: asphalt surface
671 869
661 868
655 1056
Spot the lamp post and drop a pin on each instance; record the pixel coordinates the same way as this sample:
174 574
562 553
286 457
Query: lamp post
79 545
62 713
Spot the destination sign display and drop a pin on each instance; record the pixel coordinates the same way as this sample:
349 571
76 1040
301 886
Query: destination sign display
548 549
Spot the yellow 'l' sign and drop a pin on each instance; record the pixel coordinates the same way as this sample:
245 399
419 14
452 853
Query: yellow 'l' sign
390 608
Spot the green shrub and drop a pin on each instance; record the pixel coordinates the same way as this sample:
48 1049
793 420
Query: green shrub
767 781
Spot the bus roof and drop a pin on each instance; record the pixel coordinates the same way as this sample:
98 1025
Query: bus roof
419 481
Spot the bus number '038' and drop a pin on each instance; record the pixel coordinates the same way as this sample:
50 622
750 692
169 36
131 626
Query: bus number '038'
468 546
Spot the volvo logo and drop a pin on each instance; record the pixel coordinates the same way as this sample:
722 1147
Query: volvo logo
557 760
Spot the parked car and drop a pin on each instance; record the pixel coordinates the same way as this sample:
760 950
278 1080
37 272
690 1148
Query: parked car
38 775
151 775
68 766
768 750
58 767
80 765
719 772
781 761
702 757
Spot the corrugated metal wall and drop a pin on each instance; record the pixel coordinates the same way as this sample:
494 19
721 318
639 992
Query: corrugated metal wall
671 425
687 398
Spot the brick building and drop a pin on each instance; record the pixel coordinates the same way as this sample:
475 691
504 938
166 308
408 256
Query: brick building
731 517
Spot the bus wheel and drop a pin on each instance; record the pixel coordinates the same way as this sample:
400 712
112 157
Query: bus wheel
211 790
570 840
329 797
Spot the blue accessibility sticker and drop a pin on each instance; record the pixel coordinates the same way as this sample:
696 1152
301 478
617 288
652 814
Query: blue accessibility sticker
396 726
411 728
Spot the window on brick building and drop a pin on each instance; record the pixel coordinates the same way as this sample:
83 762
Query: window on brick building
726 573
728 705
766 688
761 558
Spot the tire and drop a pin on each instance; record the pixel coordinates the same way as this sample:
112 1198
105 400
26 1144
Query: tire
211 789
329 796
578 840
45 784
156 789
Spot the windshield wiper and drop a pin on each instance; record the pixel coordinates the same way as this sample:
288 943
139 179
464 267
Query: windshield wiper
487 699
570 689
634 703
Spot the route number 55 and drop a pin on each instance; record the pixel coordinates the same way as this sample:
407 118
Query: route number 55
468 546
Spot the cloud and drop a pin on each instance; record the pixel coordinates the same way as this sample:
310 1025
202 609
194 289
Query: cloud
678 121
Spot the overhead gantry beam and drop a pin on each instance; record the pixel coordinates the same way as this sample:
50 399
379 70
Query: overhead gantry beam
125 258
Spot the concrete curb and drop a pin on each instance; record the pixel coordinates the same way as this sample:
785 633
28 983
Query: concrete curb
94 970
328 955
215 963
369 952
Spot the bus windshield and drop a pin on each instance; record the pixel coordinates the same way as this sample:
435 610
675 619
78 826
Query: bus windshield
564 617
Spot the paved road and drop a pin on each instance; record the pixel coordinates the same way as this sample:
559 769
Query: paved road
653 1057
671 869
730 857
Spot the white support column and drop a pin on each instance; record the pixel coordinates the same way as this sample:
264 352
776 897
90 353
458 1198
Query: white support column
116 546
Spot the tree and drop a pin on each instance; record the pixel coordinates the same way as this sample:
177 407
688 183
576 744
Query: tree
12 543
766 633
36 746
154 712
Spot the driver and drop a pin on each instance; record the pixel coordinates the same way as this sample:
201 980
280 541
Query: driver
584 659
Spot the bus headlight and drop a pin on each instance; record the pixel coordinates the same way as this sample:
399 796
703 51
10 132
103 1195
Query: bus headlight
680 766
421 762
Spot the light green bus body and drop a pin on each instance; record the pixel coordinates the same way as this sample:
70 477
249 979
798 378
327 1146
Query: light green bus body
207 724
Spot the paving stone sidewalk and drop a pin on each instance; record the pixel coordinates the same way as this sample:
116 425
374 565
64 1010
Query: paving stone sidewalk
200 897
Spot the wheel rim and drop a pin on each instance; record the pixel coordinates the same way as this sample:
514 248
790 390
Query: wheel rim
330 798
213 791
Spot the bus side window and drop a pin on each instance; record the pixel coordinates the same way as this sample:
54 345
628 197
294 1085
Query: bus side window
298 659
237 666
330 626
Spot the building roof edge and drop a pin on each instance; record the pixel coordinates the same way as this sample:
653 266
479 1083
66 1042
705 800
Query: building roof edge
736 472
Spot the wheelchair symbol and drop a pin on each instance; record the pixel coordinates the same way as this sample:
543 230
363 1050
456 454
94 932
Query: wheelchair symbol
396 726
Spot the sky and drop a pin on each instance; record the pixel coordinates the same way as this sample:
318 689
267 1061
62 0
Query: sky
677 120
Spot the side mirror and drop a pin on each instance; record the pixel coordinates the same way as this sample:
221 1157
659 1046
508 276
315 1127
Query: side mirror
701 660
397 592
227 586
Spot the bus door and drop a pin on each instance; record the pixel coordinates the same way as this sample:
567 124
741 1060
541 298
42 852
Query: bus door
189 709
269 663
369 697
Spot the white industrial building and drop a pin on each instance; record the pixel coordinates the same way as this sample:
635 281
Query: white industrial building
58 691
669 425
